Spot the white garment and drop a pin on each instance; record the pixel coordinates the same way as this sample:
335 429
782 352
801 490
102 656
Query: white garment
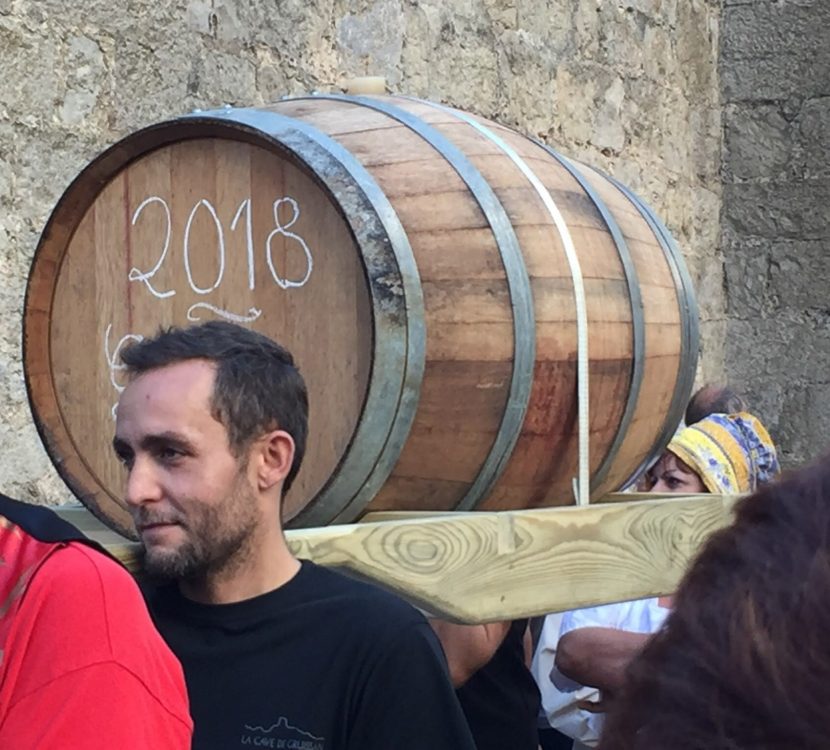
560 694
558 708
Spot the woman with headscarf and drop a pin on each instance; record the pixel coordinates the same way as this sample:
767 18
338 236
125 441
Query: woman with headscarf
721 454
725 454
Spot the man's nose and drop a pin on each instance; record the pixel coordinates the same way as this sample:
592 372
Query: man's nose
142 484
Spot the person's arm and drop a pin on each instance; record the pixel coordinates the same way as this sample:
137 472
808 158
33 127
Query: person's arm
468 647
99 707
598 656
408 702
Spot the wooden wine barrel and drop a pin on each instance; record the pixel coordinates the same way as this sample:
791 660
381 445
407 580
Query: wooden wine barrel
422 264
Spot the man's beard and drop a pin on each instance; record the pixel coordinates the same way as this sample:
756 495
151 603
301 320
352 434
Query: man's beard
216 542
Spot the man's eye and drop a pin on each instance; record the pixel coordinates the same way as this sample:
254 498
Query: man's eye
169 454
125 460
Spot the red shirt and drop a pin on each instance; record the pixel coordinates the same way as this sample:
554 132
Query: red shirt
81 664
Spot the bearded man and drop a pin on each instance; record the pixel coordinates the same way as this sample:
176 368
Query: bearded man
277 652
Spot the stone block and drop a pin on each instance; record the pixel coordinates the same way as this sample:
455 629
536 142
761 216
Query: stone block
707 280
372 38
587 21
746 277
86 81
814 128
769 30
44 164
505 13
758 142
804 423
621 40
608 130
228 79
788 349
528 74
199 16
697 55
802 3
705 211
781 77
551 24
794 210
175 72
799 274
271 80
660 64
30 89
575 92
710 364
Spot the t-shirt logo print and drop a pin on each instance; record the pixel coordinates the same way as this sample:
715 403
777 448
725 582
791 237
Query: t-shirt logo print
281 736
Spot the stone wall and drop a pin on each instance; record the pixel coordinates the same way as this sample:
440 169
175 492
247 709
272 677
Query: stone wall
629 86
775 77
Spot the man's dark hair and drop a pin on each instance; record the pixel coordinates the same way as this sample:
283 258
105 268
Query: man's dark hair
713 399
257 388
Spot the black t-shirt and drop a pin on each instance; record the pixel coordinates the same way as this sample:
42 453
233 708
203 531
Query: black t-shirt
322 663
501 701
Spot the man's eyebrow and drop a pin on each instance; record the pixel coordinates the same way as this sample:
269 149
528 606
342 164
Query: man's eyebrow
156 440
169 437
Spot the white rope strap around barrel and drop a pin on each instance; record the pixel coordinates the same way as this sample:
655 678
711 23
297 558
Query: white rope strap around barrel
583 479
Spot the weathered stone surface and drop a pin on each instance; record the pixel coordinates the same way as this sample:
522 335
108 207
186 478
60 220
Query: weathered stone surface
371 38
700 31
795 210
746 276
775 83
814 128
710 365
777 78
793 348
799 275
770 29
758 140
804 423
769 360
628 86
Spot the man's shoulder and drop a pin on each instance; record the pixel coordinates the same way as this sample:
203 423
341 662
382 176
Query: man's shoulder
84 597
91 594
362 599
323 598
76 568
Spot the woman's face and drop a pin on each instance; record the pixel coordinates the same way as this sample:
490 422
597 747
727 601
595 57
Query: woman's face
670 474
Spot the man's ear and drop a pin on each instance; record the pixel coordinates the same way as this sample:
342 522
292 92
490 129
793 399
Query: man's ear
273 456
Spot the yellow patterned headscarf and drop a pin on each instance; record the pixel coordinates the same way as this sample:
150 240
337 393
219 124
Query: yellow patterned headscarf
731 453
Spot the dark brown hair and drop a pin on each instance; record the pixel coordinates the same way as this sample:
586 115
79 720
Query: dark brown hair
743 661
258 387
713 399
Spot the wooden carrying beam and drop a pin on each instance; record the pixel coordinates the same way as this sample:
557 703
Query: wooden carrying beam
482 567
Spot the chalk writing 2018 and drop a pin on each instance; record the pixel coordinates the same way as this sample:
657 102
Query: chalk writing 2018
285 211
294 242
